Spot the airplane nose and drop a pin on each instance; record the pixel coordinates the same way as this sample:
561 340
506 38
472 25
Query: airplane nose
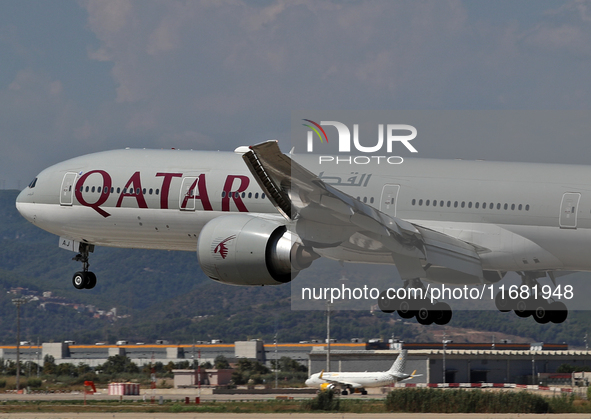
23 201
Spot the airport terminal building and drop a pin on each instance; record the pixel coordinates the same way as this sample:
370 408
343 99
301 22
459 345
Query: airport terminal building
460 363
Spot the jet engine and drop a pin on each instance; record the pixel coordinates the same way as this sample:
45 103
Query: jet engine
247 250
326 386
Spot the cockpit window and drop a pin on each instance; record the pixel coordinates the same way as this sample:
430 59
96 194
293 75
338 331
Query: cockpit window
33 183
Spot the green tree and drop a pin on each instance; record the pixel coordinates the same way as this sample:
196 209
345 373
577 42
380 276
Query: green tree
49 367
248 370
286 364
568 368
66 369
221 362
117 364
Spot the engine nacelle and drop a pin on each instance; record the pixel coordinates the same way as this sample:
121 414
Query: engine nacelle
246 250
327 386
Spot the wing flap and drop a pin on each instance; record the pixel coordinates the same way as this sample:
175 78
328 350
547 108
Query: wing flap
302 197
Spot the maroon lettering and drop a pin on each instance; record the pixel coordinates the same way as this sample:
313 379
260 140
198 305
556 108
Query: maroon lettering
103 196
166 187
135 183
234 194
198 184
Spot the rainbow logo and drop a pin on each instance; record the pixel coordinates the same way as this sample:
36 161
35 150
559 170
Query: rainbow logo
315 127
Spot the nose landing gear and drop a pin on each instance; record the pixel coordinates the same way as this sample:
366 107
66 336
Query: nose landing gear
84 279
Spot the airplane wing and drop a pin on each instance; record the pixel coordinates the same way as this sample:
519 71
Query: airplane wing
340 383
326 217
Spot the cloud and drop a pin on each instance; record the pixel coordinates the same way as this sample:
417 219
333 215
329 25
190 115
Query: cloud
218 74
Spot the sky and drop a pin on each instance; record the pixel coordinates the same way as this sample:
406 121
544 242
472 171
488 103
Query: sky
83 76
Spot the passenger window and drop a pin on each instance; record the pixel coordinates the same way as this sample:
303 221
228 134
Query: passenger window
223 194
463 204
498 206
434 203
371 200
414 201
491 205
427 203
455 204
505 206
440 203
448 204
476 205
157 191
250 194
420 202
365 199
256 195
151 190
512 206
470 204
92 190
144 191
519 207
262 196
527 207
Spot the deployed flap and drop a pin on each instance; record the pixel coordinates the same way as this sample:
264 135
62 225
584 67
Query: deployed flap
303 197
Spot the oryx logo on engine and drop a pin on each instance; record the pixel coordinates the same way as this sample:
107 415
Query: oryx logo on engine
221 247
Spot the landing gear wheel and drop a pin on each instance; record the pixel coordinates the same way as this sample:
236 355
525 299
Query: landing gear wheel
425 314
364 392
442 313
344 392
541 313
522 308
80 279
91 280
503 304
405 310
387 305
558 312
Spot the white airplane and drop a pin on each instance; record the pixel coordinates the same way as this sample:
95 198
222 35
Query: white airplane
352 381
258 217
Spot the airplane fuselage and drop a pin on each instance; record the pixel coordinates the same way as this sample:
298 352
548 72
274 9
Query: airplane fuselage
360 379
523 216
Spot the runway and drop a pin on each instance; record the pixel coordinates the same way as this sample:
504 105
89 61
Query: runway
93 415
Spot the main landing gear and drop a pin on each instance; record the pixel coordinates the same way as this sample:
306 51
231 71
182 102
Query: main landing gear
344 392
527 303
84 279
416 305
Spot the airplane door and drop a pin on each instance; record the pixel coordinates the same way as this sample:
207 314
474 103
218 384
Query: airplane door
67 190
388 199
568 210
187 195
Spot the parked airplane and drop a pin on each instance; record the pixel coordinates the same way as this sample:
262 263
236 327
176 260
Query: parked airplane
258 217
352 381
